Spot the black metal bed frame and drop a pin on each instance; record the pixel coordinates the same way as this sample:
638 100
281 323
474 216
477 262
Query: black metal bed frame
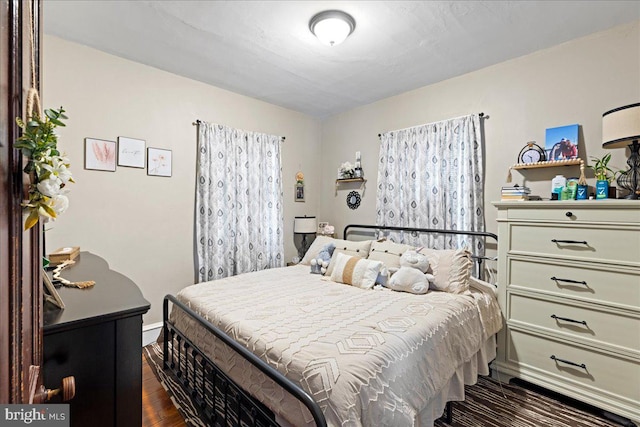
220 401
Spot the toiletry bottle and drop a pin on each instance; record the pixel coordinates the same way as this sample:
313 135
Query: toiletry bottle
557 184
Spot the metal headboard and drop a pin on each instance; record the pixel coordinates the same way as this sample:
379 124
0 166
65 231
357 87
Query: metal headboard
479 259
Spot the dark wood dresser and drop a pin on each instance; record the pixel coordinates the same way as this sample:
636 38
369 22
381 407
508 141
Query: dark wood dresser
97 338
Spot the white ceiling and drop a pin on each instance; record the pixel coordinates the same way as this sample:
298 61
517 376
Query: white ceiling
265 49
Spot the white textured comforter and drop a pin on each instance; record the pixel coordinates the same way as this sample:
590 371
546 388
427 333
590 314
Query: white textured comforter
368 357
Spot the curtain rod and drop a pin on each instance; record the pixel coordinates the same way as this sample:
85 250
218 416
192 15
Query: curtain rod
198 121
481 115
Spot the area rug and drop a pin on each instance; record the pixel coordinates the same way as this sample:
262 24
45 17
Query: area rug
487 404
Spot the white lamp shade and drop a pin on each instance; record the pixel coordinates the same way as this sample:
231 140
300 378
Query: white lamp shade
304 224
621 126
332 27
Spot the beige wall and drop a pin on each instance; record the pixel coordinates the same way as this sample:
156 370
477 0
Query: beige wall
143 225
570 83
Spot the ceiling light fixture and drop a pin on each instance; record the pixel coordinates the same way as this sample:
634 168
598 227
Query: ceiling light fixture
332 27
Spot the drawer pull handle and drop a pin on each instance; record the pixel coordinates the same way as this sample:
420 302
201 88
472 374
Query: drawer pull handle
579 282
571 242
566 319
568 362
569 214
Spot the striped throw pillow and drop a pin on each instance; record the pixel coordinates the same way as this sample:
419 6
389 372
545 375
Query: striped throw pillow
355 271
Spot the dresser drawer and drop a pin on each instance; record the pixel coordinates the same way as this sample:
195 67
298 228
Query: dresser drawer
601 326
605 286
573 212
616 375
602 244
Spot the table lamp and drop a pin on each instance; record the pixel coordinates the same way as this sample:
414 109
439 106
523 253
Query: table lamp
304 225
620 129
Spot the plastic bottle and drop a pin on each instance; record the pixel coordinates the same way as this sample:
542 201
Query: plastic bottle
557 184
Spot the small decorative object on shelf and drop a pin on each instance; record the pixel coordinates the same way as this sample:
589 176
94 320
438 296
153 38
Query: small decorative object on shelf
358 168
346 171
532 153
561 143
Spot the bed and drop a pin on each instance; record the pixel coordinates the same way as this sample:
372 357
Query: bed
290 348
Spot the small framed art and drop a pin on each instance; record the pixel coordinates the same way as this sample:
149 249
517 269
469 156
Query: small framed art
99 155
50 293
561 143
158 162
321 226
299 193
131 152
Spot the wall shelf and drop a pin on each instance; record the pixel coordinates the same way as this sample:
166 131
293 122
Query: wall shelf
362 182
549 164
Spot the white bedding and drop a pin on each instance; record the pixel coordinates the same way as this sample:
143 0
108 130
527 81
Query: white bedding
368 357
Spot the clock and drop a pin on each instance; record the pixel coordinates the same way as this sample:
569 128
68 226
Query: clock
532 153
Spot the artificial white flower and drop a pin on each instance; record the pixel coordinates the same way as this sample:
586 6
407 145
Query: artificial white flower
59 203
49 187
57 167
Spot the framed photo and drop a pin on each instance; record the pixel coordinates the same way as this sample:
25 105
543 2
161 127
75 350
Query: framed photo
321 226
49 291
99 155
158 162
561 143
299 193
131 152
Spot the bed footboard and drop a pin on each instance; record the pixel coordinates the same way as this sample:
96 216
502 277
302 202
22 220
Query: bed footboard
220 400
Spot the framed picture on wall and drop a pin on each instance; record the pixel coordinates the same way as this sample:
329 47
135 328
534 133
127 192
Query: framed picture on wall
299 193
99 155
158 162
131 152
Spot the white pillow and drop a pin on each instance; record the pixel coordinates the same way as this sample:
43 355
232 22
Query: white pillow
355 271
451 269
348 247
316 246
388 252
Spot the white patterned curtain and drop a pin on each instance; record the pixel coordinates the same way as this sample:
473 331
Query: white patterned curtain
431 176
239 219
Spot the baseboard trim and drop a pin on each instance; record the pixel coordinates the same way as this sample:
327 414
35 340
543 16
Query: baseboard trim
150 333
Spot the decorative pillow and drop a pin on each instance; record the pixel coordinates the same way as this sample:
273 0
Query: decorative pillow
451 269
348 247
355 271
388 252
315 248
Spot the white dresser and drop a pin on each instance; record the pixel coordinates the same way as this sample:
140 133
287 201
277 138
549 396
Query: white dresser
569 288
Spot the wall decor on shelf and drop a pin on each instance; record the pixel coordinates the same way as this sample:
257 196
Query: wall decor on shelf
158 162
131 152
99 155
561 143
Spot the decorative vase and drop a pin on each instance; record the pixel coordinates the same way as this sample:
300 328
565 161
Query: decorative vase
602 189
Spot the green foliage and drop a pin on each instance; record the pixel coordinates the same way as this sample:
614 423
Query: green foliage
38 136
601 169
39 144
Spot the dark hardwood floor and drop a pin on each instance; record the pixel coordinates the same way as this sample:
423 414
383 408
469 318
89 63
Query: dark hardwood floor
157 408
